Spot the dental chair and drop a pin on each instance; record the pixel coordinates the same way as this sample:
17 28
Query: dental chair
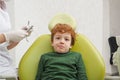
95 66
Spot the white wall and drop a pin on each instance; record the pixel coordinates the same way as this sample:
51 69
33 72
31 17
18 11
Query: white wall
106 34
114 17
92 18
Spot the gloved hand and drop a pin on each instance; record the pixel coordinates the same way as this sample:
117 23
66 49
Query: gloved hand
17 35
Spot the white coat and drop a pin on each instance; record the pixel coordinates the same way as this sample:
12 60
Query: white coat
6 63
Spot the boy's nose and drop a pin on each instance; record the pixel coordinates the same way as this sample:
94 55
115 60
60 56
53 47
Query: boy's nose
62 41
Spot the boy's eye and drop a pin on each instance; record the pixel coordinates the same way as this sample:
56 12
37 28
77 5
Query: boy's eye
57 37
67 39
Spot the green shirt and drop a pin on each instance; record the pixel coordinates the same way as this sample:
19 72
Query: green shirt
61 66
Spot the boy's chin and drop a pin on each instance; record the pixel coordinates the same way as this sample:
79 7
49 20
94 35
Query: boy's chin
61 52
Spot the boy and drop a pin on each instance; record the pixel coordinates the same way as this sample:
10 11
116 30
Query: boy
62 64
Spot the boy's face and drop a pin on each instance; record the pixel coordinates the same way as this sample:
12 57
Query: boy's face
61 42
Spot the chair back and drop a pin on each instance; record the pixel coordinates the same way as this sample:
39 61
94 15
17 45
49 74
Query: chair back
95 66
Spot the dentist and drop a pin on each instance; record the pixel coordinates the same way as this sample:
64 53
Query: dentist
8 40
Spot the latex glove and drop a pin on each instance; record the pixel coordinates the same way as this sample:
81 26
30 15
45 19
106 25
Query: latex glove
16 36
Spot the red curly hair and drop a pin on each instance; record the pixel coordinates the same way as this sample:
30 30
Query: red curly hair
63 28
